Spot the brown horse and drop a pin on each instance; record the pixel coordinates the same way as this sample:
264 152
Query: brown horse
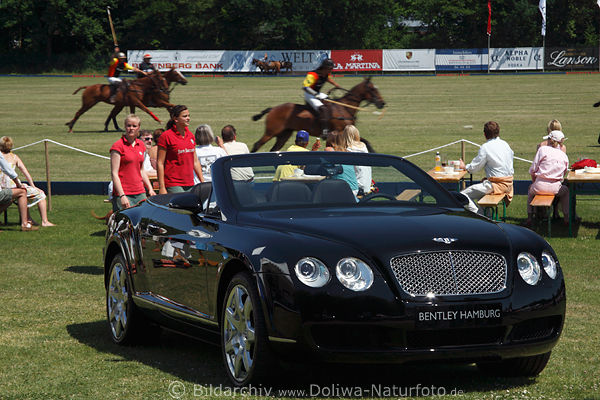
274 66
153 84
288 117
171 76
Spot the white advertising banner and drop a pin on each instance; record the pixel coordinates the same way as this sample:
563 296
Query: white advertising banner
409 60
461 59
516 58
220 61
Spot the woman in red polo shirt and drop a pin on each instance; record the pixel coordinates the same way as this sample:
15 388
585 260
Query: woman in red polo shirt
176 159
126 167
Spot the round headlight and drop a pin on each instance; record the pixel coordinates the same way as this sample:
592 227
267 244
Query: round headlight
528 268
354 274
549 264
312 272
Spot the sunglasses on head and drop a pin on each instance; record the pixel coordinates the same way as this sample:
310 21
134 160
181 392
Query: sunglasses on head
147 139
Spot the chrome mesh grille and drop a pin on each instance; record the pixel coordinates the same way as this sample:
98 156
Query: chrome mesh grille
450 273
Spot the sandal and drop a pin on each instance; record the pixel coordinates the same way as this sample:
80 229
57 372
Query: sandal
29 227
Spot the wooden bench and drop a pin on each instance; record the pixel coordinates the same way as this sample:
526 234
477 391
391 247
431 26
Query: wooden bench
490 202
544 200
408 194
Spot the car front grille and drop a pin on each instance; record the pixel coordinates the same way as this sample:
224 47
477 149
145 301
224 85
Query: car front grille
450 273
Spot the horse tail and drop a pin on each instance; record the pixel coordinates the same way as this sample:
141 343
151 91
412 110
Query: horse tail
83 87
260 115
369 147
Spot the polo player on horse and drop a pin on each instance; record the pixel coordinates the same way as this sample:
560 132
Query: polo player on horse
117 65
312 85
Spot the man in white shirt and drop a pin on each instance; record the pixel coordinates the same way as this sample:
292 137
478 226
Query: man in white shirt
496 157
7 196
233 147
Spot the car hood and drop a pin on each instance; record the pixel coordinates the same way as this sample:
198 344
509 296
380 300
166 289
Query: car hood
389 231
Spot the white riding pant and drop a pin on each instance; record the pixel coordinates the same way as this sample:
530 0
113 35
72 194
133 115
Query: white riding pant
476 192
113 80
312 101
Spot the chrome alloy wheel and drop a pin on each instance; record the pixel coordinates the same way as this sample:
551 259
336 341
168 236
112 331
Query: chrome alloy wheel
117 301
239 333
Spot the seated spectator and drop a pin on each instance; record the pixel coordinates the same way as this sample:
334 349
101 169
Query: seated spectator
300 144
35 196
363 173
547 173
233 147
553 125
206 152
17 194
341 142
496 157
146 138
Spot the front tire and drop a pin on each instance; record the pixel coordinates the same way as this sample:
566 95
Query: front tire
520 366
123 317
246 352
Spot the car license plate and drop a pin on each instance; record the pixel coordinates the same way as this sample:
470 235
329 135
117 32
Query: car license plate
457 316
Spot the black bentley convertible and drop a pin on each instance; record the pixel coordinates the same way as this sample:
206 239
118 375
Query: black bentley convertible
307 260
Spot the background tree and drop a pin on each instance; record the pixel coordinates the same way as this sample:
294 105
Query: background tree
74 35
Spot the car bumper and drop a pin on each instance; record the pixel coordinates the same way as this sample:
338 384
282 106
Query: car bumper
384 328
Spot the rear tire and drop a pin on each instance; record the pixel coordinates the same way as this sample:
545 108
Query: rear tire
244 343
124 318
520 366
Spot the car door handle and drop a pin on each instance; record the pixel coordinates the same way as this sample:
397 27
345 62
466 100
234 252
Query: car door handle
155 230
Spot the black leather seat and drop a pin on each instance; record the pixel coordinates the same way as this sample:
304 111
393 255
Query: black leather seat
333 191
290 192
245 193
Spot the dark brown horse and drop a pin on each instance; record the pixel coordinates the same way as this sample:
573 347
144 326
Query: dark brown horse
287 65
285 118
172 76
154 85
274 66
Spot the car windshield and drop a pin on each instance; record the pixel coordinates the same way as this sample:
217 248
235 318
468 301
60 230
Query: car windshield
322 179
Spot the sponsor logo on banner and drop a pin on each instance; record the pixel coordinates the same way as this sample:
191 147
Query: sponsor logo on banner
516 58
460 59
357 60
562 58
409 60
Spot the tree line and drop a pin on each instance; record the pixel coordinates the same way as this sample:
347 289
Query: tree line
74 35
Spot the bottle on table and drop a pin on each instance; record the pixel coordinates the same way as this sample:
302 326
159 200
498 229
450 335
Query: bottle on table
438 161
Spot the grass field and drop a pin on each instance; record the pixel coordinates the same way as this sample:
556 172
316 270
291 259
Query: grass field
423 112
54 341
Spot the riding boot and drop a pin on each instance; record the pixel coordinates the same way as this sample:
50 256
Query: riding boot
324 117
113 93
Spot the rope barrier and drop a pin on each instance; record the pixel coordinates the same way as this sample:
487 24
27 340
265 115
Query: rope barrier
63 145
407 156
456 142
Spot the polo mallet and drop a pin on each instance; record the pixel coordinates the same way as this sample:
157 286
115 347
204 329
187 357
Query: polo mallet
112 27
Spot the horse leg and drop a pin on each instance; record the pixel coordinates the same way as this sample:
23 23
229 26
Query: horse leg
79 113
136 102
112 116
281 139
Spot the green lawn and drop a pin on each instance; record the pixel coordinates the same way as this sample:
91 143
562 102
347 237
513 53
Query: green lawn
423 112
54 342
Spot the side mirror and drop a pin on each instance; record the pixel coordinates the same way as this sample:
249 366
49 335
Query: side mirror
461 198
186 202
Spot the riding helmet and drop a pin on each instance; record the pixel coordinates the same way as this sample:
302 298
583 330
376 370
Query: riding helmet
327 63
121 55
